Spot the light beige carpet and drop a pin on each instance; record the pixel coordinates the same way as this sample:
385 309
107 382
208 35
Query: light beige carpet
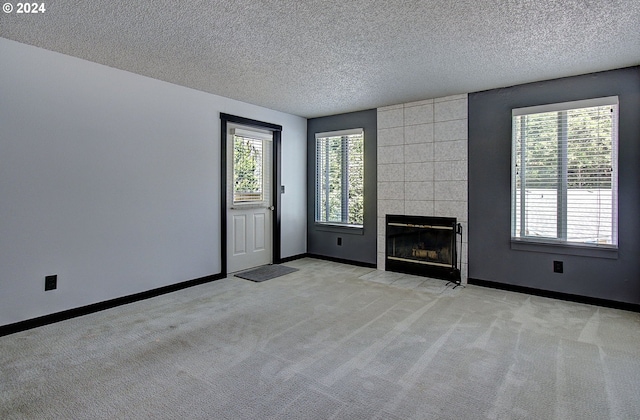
329 341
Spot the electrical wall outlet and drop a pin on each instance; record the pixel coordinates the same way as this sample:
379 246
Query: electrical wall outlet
51 282
558 267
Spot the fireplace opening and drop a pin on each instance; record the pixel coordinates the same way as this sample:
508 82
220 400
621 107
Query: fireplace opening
424 246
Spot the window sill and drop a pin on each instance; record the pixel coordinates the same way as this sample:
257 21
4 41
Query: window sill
336 227
564 249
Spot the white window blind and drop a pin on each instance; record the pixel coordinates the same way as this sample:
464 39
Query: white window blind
340 177
564 179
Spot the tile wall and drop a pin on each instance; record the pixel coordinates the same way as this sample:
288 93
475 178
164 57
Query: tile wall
422 163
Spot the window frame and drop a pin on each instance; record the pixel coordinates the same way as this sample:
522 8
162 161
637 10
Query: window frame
562 244
334 224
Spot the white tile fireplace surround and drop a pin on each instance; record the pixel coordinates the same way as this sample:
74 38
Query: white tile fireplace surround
422 164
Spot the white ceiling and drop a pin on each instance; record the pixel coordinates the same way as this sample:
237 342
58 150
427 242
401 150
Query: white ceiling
324 57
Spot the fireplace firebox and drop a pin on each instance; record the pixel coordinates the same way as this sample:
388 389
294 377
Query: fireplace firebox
424 246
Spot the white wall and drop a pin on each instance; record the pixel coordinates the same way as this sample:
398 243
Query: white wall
423 164
111 181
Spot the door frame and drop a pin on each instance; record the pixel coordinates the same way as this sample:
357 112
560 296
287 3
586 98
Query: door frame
276 156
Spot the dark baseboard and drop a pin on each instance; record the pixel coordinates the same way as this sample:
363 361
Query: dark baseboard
557 295
292 258
341 260
101 306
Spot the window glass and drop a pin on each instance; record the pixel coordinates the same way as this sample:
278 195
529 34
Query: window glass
340 177
564 179
248 162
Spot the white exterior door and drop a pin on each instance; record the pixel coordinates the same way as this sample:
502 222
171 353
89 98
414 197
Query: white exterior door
249 209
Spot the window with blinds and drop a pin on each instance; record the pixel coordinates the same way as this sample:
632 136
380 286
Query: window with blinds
564 179
340 177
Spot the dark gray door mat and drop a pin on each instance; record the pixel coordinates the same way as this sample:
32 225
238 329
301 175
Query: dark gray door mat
266 272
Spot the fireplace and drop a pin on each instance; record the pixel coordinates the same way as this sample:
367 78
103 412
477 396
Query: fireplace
425 246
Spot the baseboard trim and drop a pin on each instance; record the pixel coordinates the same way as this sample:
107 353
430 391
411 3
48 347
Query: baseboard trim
342 260
556 295
292 258
101 306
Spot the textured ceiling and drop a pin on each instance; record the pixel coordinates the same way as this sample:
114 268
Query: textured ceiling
315 58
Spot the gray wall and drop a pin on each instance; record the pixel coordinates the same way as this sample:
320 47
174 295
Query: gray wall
491 257
358 247
111 180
